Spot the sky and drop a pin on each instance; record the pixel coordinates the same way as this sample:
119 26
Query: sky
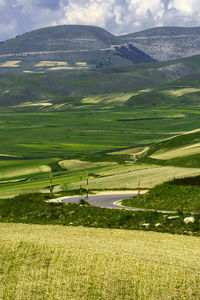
116 16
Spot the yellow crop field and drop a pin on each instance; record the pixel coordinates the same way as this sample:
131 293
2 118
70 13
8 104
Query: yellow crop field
76 164
181 92
129 178
10 64
178 152
131 151
61 68
109 98
81 63
25 171
55 262
49 63
35 104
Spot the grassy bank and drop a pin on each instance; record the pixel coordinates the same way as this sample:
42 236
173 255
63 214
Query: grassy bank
34 209
179 195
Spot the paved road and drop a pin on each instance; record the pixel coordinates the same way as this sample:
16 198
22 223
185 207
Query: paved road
107 201
110 201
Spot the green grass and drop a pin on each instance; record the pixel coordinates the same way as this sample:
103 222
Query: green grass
177 195
44 138
55 262
34 209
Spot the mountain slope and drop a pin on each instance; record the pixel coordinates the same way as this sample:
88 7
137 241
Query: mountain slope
58 38
68 46
166 43
19 87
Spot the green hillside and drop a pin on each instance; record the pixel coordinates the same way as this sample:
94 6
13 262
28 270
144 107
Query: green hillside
68 46
58 38
182 150
42 84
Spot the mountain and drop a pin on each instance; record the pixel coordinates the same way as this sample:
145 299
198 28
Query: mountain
58 38
166 43
69 46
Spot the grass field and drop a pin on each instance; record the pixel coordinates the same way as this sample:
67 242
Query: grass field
79 139
54 262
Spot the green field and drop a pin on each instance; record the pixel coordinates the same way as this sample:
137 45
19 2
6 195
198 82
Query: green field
54 262
80 138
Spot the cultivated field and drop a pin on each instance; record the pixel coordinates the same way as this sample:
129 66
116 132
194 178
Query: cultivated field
51 63
112 98
178 152
181 92
55 262
125 178
10 64
80 140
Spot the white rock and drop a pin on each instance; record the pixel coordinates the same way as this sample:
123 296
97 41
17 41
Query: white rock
173 217
189 220
146 225
157 225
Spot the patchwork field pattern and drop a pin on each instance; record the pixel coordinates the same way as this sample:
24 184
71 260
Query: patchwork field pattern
43 137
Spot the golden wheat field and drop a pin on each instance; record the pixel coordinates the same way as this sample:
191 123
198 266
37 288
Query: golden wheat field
55 262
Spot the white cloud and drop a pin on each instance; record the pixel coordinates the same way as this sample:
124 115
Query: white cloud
117 16
91 12
114 14
145 11
185 7
2 3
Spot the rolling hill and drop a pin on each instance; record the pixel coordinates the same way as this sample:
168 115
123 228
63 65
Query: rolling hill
68 46
166 43
65 85
181 150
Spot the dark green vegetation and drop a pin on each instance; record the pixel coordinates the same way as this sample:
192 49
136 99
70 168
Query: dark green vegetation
33 209
177 195
165 43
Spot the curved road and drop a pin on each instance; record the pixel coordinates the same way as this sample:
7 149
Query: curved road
106 201
110 201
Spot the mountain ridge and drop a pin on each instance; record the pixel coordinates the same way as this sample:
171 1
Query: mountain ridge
166 43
